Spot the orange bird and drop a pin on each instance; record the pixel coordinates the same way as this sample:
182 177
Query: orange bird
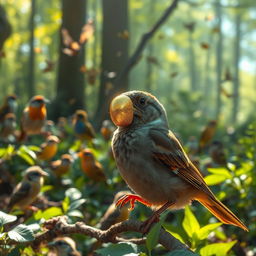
8 126
33 117
90 166
9 106
62 166
207 134
49 148
82 127
107 129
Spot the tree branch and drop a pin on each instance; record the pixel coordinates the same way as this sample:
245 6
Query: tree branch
58 226
144 39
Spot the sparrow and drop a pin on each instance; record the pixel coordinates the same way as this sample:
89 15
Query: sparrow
107 129
9 106
28 189
64 246
90 166
8 126
82 127
62 166
153 162
207 134
217 153
33 117
49 148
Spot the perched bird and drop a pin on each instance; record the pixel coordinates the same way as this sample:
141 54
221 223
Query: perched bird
107 129
113 214
33 117
90 166
82 127
49 148
8 126
62 166
153 163
62 125
217 153
28 189
49 127
207 134
64 246
9 106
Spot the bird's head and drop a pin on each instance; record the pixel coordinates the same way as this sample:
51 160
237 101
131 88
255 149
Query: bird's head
38 101
66 159
86 155
63 246
52 140
81 115
10 120
135 108
11 101
35 174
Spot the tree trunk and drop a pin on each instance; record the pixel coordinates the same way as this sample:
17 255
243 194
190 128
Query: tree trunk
219 49
114 53
70 91
31 65
5 27
236 84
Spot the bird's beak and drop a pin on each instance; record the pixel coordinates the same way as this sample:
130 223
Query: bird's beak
121 110
46 101
45 174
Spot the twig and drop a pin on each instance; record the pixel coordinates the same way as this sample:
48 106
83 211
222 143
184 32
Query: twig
144 39
58 226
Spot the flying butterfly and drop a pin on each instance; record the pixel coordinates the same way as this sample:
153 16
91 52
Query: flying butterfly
73 47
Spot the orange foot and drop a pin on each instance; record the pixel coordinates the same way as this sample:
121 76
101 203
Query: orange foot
132 198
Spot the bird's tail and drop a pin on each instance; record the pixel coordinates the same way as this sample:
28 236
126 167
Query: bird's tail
221 212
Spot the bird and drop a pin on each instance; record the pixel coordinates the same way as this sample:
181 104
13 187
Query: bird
217 153
33 117
107 129
61 166
64 246
153 162
28 189
207 134
115 214
9 106
49 148
8 126
49 127
90 166
82 127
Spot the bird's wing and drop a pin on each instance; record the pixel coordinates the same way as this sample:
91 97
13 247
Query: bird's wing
89 129
21 192
168 150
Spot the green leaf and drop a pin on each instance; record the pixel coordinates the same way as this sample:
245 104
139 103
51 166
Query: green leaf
181 253
46 188
206 230
73 194
75 213
220 171
118 249
220 249
21 233
77 203
153 237
65 204
190 223
27 158
214 179
48 213
6 218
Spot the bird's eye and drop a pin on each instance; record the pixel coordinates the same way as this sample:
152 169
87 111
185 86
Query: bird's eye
142 101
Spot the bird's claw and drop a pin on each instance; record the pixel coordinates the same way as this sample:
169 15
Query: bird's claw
132 199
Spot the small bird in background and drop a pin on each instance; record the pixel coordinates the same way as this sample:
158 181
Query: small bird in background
49 128
28 189
153 162
62 126
49 148
62 166
207 134
115 214
8 126
9 106
33 117
64 246
90 166
217 153
107 129
82 127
